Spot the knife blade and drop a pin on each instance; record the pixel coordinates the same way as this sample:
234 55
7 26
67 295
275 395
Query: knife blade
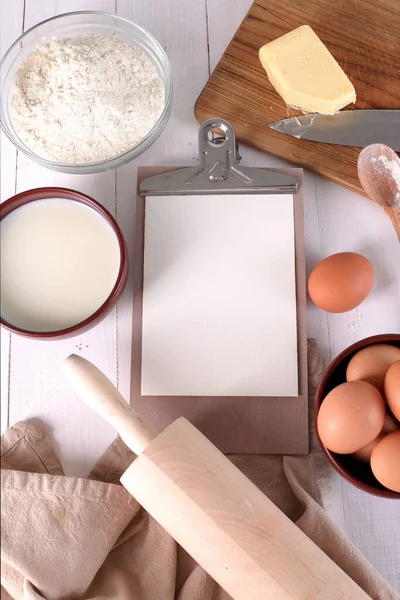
347 128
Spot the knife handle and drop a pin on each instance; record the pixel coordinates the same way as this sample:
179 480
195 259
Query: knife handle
94 388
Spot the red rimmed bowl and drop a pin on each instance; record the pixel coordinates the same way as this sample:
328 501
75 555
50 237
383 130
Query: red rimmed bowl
355 472
111 299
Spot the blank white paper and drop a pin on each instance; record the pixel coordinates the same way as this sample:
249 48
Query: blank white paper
219 296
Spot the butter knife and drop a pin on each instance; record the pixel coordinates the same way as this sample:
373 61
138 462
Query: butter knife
347 128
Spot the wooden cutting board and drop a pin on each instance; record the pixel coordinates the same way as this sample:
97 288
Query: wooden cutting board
363 36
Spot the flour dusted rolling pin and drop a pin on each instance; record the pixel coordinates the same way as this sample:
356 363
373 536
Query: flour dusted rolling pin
210 508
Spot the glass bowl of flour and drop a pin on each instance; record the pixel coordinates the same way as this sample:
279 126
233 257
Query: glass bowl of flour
85 92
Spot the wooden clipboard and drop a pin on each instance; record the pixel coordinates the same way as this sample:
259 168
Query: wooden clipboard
254 425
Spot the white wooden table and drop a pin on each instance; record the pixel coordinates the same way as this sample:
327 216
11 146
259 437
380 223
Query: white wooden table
194 34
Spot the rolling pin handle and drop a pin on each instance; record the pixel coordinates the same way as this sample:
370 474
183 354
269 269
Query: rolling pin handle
94 388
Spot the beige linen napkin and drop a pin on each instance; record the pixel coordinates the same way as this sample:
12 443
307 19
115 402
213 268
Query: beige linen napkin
68 538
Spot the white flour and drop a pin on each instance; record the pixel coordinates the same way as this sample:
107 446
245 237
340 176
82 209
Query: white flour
358 320
391 167
84 99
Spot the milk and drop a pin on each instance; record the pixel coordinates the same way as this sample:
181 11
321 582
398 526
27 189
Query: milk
59 262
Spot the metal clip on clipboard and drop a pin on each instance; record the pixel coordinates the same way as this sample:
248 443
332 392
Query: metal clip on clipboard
242 424
217 172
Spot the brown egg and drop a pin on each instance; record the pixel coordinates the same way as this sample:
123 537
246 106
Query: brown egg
364 454
372 363
350 417
385 461
389 424
392 388
341 282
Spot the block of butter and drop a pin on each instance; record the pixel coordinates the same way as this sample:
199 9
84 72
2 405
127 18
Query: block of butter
305 74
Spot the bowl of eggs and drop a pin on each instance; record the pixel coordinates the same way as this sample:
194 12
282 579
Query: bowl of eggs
357 415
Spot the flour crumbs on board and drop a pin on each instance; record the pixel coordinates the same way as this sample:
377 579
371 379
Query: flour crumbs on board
85 99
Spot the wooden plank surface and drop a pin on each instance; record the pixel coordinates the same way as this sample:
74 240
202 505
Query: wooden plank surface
11 24
35 380
362 36
195 33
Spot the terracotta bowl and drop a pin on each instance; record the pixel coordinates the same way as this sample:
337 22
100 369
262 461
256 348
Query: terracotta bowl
53 192
357 473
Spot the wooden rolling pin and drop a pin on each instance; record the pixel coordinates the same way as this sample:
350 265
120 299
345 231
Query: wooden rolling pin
210 508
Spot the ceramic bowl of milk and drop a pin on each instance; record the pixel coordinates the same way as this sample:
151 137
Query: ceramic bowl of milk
64 263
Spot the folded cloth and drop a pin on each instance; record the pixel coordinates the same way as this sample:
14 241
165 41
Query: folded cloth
69 538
